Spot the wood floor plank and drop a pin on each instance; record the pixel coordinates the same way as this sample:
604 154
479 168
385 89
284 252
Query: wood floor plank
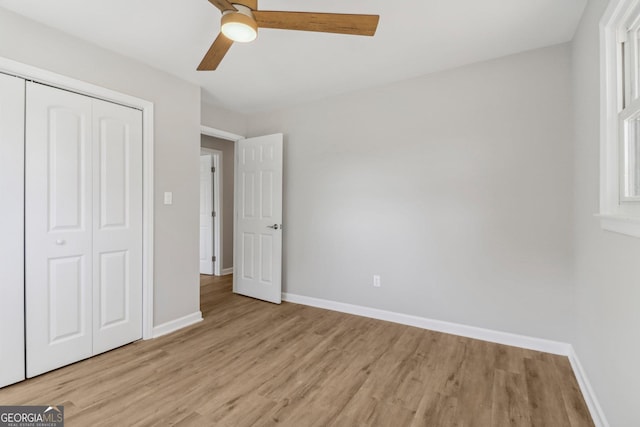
251 363
194 419
445 359
436 409
576 407
366 410
546 402
476 383
510 401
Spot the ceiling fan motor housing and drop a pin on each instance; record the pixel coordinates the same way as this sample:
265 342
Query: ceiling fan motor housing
239 25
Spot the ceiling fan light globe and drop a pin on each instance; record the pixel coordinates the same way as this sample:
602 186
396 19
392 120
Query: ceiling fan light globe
239 27
239 32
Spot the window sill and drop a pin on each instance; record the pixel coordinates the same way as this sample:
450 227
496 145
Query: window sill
620 224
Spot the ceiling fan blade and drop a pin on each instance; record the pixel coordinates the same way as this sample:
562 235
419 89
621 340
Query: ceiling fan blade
251 4
215 54
362 25
222 5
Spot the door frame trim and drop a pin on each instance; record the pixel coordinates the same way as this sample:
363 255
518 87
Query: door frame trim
216 162
219 133
28 72
223 134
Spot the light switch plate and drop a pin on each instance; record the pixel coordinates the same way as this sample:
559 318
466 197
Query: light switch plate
168 198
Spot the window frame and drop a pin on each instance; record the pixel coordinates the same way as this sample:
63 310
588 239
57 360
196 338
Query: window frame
629 101
618 212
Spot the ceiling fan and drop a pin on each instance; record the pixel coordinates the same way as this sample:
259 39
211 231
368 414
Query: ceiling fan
241 20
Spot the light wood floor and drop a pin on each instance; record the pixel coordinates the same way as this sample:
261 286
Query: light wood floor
255 363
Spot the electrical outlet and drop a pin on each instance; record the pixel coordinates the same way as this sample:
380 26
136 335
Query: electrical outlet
376 281
168 198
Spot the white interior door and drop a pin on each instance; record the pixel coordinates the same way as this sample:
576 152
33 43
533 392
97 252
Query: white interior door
117 225
258 205
206 215
11 229
59 225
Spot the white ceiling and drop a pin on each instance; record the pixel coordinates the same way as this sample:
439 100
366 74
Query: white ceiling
280 68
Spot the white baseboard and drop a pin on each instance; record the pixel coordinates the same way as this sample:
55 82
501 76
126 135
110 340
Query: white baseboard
174 325
589 396
227 271
505 338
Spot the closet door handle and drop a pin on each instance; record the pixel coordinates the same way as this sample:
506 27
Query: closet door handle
60 242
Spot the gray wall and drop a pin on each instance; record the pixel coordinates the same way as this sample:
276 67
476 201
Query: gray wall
228 150
177 145
607 264
455 187
220 118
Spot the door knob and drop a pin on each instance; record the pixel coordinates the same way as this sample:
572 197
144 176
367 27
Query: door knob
60 242
274 226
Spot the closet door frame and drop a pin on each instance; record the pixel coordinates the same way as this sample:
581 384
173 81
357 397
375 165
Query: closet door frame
12 342
38 75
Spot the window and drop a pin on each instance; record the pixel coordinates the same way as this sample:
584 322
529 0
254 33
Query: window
629 114
630 161
620 118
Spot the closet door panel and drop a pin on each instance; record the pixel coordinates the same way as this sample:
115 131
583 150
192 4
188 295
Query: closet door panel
59 225
117 233
11 229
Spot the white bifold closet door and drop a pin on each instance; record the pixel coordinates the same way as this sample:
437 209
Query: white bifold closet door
83 227
11 230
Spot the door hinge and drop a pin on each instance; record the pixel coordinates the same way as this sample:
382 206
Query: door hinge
213 169
213 214
213 258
